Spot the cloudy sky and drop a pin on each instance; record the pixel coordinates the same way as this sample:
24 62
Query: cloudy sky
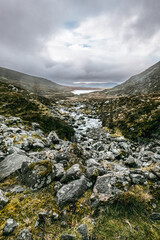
80 42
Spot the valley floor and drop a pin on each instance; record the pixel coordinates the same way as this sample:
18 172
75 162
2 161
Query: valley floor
97 185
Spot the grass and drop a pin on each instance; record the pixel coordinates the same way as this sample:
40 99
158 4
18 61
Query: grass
128 218
32 108
135 117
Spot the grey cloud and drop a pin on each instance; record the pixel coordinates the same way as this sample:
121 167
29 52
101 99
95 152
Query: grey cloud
25 25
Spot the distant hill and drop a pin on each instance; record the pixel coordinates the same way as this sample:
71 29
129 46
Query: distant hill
40 86
143 83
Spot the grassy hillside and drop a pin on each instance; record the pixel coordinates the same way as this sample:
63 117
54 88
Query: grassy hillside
34 84
31 108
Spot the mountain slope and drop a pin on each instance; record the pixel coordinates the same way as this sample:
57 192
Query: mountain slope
143 83
40 86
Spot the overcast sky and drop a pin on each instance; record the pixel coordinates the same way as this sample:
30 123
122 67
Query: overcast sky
80 42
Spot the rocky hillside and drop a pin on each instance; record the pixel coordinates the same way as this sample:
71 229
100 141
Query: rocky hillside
97 186
34 84
143 83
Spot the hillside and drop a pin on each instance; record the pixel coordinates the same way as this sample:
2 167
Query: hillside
143 83
37 85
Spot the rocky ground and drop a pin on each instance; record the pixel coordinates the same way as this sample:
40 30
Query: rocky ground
98 185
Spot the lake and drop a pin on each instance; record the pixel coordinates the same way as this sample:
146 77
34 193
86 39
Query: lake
79 92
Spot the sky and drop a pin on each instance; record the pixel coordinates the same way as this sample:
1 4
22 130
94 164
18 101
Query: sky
80 42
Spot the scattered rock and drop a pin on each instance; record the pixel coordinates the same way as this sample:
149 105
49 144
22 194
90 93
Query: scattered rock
72 173
9 227
25 234
17 189
131 162
3 200
82 229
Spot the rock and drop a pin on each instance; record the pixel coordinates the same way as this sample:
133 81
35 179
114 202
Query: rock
92 162
25 234
155 216
131 162
156 170
71 192
61 157
3 200
37 175
53 138
82 229
35 126
17 189
137 178
9 227
59 170
11 164
109 156
108 186
67 237
72 173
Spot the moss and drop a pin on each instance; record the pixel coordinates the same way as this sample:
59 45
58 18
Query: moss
45 163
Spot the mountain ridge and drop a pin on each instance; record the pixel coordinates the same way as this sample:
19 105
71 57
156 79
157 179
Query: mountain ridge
145 82
38 85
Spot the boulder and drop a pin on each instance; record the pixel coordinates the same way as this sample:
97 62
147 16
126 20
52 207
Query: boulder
71 192
108 186
59 170
67 237
82 229
92 162
37 175
11 164
3 199
72 173
25 234
9 227
131 162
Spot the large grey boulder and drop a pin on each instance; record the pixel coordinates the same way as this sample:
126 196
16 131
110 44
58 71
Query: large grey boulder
25 234
108 186
11 164
3 200
71 192
72 173
37 175
9 227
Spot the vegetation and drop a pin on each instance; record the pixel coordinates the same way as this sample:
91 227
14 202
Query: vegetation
128 218
135 117
32 108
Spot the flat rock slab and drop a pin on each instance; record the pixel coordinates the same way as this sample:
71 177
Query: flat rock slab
11 164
